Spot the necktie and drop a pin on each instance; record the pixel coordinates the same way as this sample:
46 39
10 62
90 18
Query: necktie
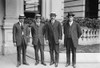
22 28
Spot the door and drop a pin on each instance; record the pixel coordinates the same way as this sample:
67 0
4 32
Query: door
31 7
91 9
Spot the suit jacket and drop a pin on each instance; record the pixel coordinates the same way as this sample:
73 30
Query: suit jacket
37 33
75 32
54 31
17 33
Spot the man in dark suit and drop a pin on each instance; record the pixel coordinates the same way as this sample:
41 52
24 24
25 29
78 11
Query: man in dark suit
38 32
21 39
72 32
54 36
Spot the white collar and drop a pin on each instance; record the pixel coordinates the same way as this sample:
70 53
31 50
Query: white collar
71 23
19 22
53 21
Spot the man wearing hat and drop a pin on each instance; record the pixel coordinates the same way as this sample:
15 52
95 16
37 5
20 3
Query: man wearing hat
21 39
38 32
72 32
54 36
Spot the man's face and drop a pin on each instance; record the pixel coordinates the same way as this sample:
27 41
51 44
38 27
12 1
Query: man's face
71 18
21 20
52 17
38 19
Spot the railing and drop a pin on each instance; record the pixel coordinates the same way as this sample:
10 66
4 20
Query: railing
89 36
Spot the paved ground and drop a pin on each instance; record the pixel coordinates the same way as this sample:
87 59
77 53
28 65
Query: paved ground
88 60
95 48
9 61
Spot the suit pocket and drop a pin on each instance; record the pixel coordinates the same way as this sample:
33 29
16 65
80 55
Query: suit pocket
18 40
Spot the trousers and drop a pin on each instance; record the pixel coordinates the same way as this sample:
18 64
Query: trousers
22 48
37 48
54 51
70 49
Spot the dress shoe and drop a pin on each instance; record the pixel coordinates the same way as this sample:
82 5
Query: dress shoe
25 63
74 66
36 63
18 64
67 65
43 64
56 64
51 63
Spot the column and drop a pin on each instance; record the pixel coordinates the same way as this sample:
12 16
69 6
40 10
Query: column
99 9
12 10
43 8
2 2
57 6
46 8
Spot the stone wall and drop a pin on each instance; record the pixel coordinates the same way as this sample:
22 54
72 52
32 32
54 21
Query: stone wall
75 6
99 10
1 21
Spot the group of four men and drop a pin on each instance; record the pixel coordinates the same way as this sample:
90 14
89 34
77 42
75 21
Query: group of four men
52 32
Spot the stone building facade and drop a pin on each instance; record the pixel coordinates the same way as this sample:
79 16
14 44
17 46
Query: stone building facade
83 8
10 10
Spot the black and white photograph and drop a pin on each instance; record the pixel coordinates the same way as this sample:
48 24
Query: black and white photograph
49 33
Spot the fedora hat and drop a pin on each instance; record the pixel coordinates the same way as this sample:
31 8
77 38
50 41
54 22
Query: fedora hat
53 14
38 15
21 16
70 14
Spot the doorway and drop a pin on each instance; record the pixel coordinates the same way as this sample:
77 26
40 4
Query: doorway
32 7
91 9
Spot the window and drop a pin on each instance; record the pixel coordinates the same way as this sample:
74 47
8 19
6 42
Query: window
91 9
31 7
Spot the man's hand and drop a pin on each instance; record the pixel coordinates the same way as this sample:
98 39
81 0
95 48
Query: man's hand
46 42
14 44
28 43
60 41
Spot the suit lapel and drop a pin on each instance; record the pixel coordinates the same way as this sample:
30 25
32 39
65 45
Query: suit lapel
73 26
55 23
50 24
38 27
41 25
67 25
24 26
18 25
73 23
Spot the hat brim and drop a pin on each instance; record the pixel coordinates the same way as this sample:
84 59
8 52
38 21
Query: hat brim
53 15
22 17
71 15
38 16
